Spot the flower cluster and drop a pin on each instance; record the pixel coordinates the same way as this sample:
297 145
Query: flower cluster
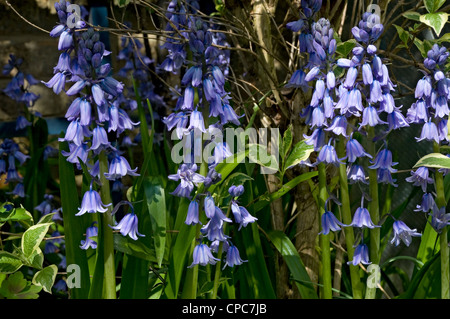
431 110
196 52
9 155
19 90
96 111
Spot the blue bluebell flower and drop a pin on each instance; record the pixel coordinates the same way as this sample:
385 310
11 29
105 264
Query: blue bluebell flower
119 167
362 219
403 233
360 255
439 218
426 204
420 178
128 225
92 203
330 222
241 215
233 258
203 256
355 150
192 217
91 234
355 174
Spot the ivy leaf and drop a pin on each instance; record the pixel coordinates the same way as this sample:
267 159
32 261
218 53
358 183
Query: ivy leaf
435 20
45 278
434 160
412 15
9 263
433 5
402 34
300 152
32 238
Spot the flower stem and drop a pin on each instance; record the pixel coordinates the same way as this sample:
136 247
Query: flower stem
347 219
324 239
441 202
108 240
217 272
374 208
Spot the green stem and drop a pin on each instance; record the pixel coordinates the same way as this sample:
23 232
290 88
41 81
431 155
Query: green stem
374 208
347 219
324 239
441 202
108 240
217 272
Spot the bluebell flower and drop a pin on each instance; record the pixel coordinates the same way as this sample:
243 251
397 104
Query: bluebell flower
328 155
19 190
420 178
396 120
21 123
362 219
128 225
317 139
203 256
355 174
403 233
355 150
241 215
91 234
383 160
429 132
338 126
370 117
384 176
236 191
233 258
426 204
330 222
119 167
188 177
92 203
439 219
192 217
361 255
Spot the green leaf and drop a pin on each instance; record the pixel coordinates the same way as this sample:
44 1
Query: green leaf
18 214
266 199
434 160
74 226
9 263
260 155
16 287
134 248
300 152
426 282
402 34
45 278
287 142
32 238
156 203
344 48
433 5
285 247
435 20
412 15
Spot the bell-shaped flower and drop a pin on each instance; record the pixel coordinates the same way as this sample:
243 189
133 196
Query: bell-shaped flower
203 256
233 258
90 241
330 222
360 255
403 233
119 167
420 178
92 203
128 225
